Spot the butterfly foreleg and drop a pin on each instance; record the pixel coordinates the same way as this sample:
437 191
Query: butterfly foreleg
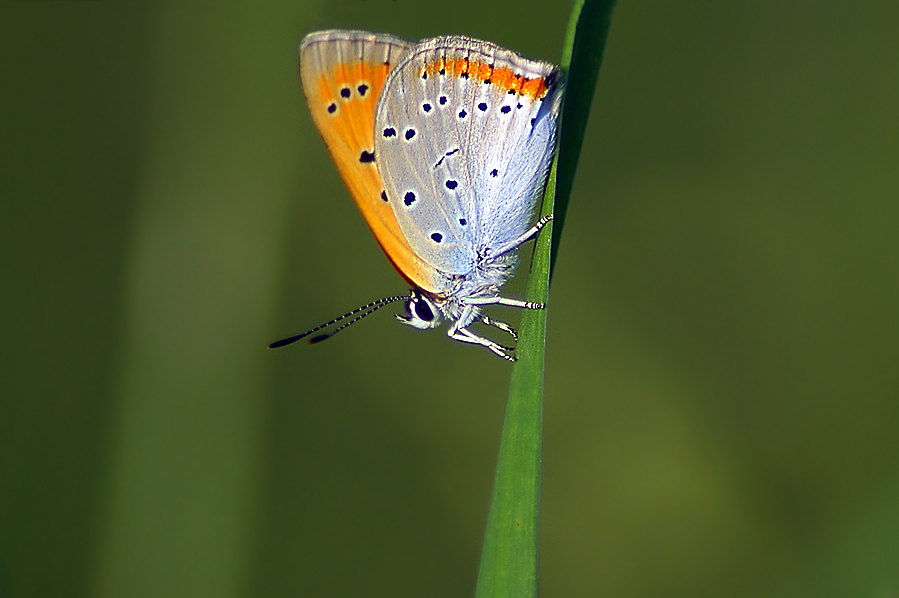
501 325
466 336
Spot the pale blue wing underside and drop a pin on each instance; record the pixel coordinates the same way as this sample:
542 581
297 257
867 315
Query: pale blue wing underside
463 160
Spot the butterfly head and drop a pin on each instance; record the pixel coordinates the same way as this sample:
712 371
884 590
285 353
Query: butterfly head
423 312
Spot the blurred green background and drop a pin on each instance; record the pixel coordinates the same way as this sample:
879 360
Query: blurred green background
722 401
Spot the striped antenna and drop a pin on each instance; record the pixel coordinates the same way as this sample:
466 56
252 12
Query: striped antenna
365 309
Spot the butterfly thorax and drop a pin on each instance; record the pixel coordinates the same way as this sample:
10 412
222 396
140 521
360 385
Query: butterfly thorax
485 280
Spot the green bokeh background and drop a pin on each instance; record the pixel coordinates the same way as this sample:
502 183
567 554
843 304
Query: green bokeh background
722 400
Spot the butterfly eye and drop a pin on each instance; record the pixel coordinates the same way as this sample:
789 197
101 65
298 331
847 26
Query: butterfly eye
423 310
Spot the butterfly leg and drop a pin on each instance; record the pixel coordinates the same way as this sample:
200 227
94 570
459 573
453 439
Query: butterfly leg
529 234
466 336
504 301
501 325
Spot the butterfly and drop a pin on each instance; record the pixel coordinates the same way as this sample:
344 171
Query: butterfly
445 145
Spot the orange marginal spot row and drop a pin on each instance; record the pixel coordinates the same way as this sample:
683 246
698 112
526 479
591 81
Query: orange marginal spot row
503 77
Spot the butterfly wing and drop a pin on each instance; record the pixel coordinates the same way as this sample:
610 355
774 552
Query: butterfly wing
343 74
464 135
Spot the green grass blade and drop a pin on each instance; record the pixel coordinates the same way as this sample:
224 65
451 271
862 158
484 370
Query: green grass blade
509 560
581 57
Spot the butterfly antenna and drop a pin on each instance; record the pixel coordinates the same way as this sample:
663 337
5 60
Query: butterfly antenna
363 311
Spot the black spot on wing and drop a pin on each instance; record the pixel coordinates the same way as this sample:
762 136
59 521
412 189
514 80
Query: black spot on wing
444 156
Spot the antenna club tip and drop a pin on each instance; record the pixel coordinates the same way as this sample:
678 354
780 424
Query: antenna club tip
282 343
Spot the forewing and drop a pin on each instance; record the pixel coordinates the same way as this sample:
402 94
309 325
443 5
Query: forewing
343 74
